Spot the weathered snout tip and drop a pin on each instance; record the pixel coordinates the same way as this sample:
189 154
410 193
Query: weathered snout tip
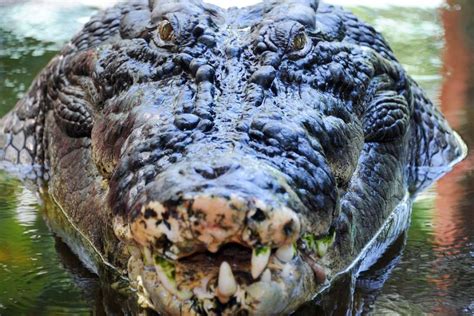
227 252
218 237
198 206
206 222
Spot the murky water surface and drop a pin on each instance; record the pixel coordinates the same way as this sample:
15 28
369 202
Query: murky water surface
432 274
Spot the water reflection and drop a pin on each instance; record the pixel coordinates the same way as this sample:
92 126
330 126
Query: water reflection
31 274
355 296
437 269
432 274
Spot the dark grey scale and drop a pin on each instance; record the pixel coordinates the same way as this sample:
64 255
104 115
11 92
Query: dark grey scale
204 101
187 121
429 151
335 74
254 94
208 40
387 117
184 60
363 34
102 27
159 152
195 64
233 51
135 23
285 146
329 24
142 53
340 140
124 66
72 115
38 140
264 76
68 99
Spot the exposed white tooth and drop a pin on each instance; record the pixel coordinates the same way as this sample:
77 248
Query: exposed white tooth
285 253
260 257
267 276
226 284
147 256
165 271
322 249
323 244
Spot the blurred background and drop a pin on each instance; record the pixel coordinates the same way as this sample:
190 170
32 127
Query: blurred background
434 274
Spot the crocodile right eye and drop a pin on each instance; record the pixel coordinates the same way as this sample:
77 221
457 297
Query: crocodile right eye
299 42
166 31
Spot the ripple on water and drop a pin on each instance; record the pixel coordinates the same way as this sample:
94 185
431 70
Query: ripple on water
32 276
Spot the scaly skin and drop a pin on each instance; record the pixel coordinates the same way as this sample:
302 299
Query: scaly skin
197 134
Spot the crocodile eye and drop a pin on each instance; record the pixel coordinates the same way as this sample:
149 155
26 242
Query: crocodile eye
166 31
299 41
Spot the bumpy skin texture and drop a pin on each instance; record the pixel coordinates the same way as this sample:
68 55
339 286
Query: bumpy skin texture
188 129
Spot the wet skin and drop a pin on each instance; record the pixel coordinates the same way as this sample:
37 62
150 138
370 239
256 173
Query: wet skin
228 160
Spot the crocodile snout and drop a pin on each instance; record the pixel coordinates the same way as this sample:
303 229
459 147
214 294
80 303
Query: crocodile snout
202 206
221 231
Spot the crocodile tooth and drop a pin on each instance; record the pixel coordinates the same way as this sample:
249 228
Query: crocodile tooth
260 257
147 256
167 282
285 253
266 276
226 284
165 271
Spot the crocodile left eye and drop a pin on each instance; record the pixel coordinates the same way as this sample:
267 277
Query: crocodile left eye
299 41
166 31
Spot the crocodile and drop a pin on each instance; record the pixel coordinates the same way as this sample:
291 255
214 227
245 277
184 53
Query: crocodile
227 161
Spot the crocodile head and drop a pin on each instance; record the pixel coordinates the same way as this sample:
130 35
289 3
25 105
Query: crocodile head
250 153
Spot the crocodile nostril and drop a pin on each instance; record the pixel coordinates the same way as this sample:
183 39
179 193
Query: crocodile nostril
162 242
149 212
289 228
259 215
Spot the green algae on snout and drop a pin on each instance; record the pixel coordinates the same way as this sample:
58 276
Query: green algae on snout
261 250
319 245
166 266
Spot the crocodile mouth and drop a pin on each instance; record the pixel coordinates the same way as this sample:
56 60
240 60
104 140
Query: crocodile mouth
218 261
234 280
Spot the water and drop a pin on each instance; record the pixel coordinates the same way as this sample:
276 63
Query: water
429 272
